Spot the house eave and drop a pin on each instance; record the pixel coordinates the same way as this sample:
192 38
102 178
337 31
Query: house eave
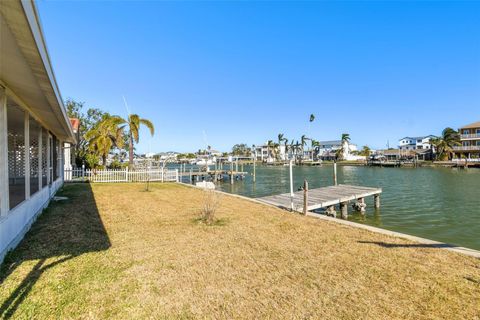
26 70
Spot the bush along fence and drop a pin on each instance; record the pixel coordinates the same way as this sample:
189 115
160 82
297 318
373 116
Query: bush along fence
121 175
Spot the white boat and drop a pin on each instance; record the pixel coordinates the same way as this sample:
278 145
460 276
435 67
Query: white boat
203 162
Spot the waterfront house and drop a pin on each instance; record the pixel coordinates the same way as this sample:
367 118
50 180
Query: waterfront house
470 140
33 123
266 153
327 150
415 143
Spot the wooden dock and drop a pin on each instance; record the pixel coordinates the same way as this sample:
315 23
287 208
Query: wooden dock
326 197
213 175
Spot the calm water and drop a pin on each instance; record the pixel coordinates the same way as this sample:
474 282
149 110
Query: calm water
436 203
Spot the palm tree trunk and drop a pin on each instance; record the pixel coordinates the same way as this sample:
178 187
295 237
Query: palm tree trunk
130 152
104 160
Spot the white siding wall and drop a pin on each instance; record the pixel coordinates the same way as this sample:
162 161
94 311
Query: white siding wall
15 222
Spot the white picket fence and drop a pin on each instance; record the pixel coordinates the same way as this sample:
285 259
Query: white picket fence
121 175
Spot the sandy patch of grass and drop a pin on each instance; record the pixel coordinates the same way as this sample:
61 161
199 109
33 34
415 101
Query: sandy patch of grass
115 251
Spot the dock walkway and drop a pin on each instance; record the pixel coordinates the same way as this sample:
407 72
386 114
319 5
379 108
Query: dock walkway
325 197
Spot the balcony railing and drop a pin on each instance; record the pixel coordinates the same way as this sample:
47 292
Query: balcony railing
470 136
466 148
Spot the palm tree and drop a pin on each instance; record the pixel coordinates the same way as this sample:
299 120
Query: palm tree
134 122
365 151
314 145
281 138
344 144
272 147
446 143
303 143
105 135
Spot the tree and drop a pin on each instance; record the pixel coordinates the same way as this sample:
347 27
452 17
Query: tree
88 120
446 143
339 154
272 148
365 151
105 135
315 145
303 143
241 149
281 138
133 123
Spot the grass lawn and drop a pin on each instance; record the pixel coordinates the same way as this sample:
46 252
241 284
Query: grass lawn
117 251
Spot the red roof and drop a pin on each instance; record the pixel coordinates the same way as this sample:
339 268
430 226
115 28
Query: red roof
75 124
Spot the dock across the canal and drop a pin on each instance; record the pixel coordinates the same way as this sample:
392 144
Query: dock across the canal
213 175
326 197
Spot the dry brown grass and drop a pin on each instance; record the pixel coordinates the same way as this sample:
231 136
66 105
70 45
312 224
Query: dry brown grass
153 261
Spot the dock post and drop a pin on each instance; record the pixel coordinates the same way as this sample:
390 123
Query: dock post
344 210
191 178
376 201
236 164
231 172
254 171
305 197
362 205
335 173
291 185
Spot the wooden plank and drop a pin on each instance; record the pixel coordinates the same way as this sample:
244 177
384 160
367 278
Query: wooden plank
322 197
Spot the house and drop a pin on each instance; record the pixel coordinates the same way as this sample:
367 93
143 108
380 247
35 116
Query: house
470 140
327 150
403 155
267 153
33 123
69 150
415 143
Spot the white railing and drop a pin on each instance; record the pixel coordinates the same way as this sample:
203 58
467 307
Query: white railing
121 175
466 148
466 160
470 136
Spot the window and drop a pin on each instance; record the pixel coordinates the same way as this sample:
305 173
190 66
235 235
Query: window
16 154
59 159
50 159
465 131
44 157
34 137
478 131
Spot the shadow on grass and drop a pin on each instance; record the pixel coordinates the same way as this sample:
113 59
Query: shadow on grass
65 230
409 245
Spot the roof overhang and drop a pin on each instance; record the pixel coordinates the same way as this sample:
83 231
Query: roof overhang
25 67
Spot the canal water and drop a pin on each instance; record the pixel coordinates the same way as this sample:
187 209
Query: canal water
441 204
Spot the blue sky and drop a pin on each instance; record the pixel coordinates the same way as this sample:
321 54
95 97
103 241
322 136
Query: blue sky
230 72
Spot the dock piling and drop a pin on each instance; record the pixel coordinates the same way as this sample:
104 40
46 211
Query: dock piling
305 197
344 210
291 185
376 199
335 173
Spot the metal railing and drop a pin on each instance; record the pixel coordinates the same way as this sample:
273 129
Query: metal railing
121 175
466 148
460 161
470 136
